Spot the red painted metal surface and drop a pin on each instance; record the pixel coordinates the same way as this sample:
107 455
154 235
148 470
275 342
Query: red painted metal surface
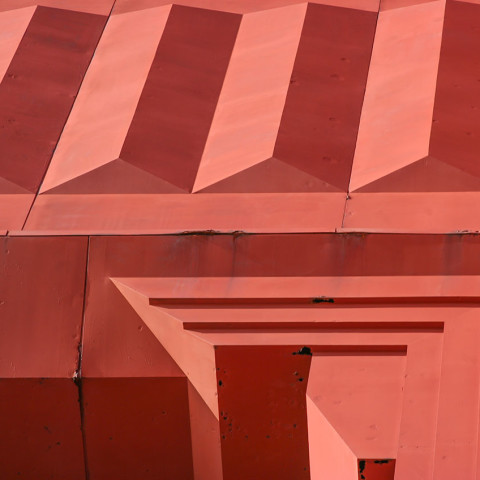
236 124
239 240
220 356
41 303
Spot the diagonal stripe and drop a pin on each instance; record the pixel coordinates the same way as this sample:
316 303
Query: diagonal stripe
397 112
170 127
96 7
99 122
253 94
12 28
322 112
39 89
456 127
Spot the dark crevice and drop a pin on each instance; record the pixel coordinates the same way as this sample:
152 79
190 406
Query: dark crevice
81 403
77 377
347 195
303 351
234 233
323 300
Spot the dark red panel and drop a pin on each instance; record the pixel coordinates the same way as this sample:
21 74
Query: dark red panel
267 422
282 255
39 88
319 126
40 433
170 127
137 428
456 118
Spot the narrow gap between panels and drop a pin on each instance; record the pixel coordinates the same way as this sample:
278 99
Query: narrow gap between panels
77 378
347 198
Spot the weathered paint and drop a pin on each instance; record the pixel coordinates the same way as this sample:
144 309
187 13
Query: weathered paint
188 289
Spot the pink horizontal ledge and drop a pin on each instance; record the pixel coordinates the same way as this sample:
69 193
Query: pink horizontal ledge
175 213
413 212
306 290
14 210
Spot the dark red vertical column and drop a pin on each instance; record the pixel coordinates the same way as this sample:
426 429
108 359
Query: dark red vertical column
262 412
319 126
456 117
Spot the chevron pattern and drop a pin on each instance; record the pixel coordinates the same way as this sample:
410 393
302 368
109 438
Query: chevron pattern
233 98
211 266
